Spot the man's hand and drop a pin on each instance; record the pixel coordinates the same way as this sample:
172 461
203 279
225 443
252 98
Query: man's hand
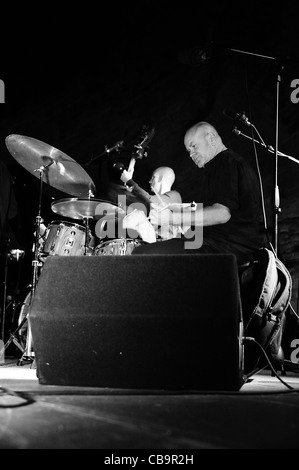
126 176
161 216
134 219
138 221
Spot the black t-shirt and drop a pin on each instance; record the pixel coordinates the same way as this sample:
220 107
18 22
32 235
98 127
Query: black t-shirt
230 180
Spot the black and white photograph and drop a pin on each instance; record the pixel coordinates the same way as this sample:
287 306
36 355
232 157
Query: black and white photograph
149 228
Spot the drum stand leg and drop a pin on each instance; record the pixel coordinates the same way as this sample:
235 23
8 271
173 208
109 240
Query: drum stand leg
28 355
36 264
14 338
86 223
27 351
4 297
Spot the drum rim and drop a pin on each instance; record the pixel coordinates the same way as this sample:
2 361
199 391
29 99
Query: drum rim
117 239
65 222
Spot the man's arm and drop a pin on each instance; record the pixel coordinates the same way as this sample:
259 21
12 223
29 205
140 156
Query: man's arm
137 190
211 215
134 188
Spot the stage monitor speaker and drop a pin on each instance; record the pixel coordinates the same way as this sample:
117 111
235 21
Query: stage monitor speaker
164 322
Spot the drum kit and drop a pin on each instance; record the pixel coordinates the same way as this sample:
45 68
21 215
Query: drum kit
61 237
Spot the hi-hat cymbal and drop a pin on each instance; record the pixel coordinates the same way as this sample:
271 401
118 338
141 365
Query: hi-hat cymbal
59 170
75 208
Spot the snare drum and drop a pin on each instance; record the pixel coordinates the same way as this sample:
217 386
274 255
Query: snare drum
119 246
67 239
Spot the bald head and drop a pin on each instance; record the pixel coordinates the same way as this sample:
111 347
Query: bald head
202 126
162 179
203 143
166 173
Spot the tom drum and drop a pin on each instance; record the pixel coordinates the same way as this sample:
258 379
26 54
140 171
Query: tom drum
67 239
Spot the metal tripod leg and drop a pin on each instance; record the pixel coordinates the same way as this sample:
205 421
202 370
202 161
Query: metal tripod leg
13 337
27 355
36 264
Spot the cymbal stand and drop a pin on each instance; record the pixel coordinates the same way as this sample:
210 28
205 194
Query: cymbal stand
87 231
87 225
36 262
4 296
9 255
27 352
14 338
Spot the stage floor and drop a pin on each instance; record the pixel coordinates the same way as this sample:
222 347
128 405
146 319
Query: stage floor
263 414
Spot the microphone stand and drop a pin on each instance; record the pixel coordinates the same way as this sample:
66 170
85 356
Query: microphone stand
116 147
268 147
271 150
276 208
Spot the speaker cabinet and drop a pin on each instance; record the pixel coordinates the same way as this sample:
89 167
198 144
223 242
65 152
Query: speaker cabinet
165 322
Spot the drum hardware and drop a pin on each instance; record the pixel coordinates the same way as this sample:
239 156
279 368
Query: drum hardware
87 210
58 170
67 239
15 337
86 222
4 296
10 301
11 255
35 264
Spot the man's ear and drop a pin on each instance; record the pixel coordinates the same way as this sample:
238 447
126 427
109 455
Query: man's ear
212 138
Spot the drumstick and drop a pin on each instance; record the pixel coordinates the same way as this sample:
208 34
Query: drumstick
135 210
159 197
173 205
146 219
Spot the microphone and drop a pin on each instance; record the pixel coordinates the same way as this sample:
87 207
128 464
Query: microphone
241 117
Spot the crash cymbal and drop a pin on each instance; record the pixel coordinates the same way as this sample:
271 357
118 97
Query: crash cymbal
76 208
59 170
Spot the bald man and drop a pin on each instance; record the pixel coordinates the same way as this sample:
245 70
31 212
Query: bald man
162 196
161 182
227 216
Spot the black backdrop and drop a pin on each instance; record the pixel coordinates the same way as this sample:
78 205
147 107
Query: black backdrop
85 78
